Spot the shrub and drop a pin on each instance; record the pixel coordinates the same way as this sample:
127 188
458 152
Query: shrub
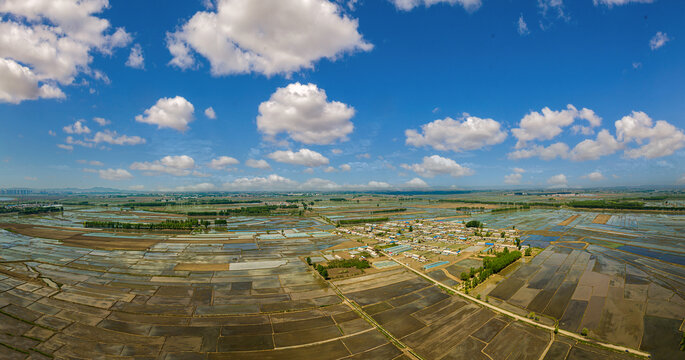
583 332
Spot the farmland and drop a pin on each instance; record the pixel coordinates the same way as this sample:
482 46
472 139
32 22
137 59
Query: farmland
239 286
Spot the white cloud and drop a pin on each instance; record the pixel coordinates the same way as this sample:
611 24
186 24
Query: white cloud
77 128
416 183
271 182
91 162
681 181
376 185
513 179
267 37
136 187
222 161
660 39
558 181
52 133
554 6
594 176
115 174
610 3
111 137
550 152
345 167
135 58
258 164
71 141
319 184
19 83
175 165
305 114
407 5
449 134
548 124
588 149
438 165
522 27
175 113
101 121
304 157
336 151
363 156
209 113
65 147
30 178
662 138
518 170
197 187
330 169
53 42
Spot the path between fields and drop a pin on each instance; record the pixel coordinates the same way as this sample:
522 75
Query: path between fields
522 318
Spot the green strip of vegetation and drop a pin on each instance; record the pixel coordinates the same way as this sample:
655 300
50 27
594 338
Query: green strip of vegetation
388 211
243 211
491 265
361 221
187 224
31 210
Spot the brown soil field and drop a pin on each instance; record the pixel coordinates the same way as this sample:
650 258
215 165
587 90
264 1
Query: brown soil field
569 220
345 245
76 238
443 205
201 267
601 219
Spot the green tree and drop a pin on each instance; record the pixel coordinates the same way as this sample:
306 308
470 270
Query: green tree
584 332
528 252
503 234
309 261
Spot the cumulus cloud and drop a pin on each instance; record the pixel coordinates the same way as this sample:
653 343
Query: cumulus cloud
681 181
416 183
115 174
258 164
197 187
660 39
513 179
113 138
210 114
304 157
610 3
558 181
336 151
271 182
101 121
65 147
518 170
305 114
52 133
91 162
407 5
549 123
175 113
19 83
345 167
46 42
449 134
594 176
330 169
556 150
135 58
589 149
522 27
181 165
438 165
662 138
222 161
266 37
77 128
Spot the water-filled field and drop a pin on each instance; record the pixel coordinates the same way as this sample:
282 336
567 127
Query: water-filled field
620 275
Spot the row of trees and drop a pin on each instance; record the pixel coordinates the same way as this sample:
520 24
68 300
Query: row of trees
31 210
491 265
361 221
187 224
243 211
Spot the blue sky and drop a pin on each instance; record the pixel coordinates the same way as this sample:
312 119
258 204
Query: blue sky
342 95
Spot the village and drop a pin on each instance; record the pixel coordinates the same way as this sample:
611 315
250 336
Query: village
442 249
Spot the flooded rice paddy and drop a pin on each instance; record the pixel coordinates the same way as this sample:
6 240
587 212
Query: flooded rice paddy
624 280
